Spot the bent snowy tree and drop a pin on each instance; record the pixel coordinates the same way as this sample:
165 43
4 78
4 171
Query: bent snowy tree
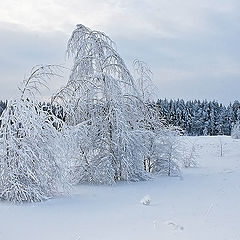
32 163
101 94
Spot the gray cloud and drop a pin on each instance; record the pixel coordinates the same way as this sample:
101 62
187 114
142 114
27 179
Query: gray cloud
21 50
192 46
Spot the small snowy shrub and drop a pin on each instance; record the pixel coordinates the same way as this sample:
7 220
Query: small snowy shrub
168 155
189 154
205 131
236 131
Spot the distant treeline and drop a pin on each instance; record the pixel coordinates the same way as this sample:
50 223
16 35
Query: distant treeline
195 117
200 117
56 110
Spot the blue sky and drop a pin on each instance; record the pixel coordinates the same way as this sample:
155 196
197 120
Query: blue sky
191 46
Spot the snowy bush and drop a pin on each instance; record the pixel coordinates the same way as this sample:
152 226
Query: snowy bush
236 131
189 154
168 155
31 157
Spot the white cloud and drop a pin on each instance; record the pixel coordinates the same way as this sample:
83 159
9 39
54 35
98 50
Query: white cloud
160 17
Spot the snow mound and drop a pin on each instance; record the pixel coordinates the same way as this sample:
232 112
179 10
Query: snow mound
146 200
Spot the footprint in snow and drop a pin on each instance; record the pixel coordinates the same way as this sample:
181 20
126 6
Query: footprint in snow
174 226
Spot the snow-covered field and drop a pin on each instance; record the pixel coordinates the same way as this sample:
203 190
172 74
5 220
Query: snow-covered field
204 204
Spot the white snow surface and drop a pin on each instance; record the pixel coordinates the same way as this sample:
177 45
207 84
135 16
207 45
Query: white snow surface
204 204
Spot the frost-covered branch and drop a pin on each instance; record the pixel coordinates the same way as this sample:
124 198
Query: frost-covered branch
38 78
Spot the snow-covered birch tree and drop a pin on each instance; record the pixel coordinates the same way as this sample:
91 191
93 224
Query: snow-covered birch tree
162 155
102 99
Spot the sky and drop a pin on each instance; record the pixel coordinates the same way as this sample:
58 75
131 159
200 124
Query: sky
191 46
